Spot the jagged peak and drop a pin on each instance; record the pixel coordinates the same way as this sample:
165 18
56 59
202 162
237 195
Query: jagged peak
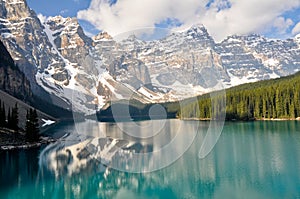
131 37
197 31
66 25
102 36
15 9
249 39
15 1
255 35
59 20
198 27
297 38
194 33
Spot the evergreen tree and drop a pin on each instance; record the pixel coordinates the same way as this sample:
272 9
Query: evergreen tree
32 126
9 122
2 115
15 118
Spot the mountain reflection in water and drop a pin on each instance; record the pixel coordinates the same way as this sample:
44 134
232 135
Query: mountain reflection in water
250 160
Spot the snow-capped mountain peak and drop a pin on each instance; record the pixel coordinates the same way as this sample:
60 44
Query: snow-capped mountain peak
197 30
297 38
57 56
102 36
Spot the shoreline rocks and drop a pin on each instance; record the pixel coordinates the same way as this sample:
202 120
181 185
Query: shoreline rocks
28 145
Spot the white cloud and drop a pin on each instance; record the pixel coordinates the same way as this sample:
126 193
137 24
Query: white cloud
282 25
296 29
246 16
127 15
222 18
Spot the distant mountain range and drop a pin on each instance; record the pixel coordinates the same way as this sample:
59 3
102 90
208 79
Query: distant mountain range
66 67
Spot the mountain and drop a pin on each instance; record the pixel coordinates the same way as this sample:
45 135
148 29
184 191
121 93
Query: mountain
24 37
15 88
72 70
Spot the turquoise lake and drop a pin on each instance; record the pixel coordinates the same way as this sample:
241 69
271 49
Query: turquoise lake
250 160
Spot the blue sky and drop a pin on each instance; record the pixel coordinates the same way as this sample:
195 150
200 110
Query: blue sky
58 7
272 18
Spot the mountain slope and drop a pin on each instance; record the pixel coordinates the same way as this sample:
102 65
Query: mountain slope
269 99
15 88
12 80
23 36
14 83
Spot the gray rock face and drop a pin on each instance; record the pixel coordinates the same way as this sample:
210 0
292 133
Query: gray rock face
283 53
57 56
121 61
21 27
69 39
12 80
24 37
240 60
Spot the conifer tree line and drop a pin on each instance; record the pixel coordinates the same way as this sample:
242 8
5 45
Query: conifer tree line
11 121
278 98
32 126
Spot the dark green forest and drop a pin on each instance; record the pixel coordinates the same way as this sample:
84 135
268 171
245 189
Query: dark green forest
277 98
124 110
11 121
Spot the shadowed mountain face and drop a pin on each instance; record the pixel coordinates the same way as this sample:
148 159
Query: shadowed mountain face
12 80
15 88
68 67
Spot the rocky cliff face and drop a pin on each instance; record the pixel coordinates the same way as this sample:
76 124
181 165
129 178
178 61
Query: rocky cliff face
255 58
24 36
12 80
58 57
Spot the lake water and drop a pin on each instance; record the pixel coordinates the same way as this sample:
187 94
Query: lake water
250 160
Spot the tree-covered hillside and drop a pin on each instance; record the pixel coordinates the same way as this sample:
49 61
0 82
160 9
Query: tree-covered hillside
277 98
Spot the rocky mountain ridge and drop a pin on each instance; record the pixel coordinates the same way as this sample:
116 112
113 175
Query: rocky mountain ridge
86 73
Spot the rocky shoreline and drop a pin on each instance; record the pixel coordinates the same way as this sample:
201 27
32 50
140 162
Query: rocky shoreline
253 119
11 140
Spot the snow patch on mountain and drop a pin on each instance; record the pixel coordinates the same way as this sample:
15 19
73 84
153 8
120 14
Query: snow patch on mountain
234 80
297 38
